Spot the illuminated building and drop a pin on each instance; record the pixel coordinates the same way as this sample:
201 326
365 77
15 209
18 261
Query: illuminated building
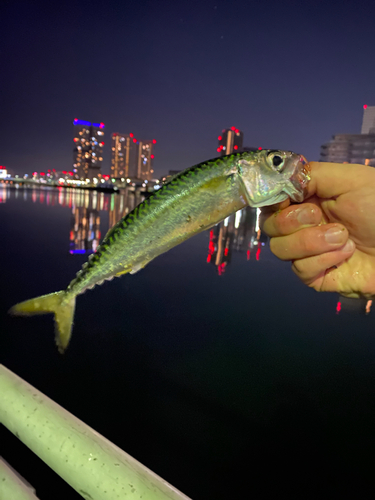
124 151
88 149
353 148
3 172
230 140
368 122
131 157
145 157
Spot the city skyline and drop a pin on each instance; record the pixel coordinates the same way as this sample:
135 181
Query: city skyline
353 148
194 71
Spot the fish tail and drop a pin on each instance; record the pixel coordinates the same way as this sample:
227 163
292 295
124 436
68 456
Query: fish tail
57 303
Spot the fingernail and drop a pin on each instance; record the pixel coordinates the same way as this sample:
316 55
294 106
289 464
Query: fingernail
349 246
307 216
335 235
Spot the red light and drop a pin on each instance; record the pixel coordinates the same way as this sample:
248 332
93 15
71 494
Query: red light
134 140
248 255
48 170
75 139
260 149
226 250
153 141
365 106
114 135
101 125
237 131
42 173
70 173
338 307
218 150
219 138
208 258
75 119
64 172
131 135
257 254
235 147
53 170
152 156
102 143
233 128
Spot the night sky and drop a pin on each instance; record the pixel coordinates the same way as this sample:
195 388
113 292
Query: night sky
289 74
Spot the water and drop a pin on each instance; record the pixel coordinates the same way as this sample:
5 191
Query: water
218 375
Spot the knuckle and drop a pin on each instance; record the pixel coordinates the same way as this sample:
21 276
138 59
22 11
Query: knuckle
298 268
304 243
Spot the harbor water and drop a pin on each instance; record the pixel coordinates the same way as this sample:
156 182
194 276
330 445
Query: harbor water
213 366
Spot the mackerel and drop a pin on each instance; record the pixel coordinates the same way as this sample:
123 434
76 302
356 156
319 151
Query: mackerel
193 201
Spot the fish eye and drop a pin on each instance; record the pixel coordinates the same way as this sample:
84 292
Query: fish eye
276 160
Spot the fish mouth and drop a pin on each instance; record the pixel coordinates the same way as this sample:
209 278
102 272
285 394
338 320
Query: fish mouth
300 179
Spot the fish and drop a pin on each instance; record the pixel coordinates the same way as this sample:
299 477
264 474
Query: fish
190 202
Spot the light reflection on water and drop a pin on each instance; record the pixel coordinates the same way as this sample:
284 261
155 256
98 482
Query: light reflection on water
239 232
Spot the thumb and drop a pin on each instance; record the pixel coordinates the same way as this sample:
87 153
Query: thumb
329 180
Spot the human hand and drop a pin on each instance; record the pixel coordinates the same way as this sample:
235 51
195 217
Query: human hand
330 238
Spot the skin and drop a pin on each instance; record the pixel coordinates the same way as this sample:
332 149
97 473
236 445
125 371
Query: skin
340 199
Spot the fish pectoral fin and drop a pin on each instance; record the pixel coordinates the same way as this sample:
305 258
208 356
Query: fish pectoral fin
246 192
133 269
124 271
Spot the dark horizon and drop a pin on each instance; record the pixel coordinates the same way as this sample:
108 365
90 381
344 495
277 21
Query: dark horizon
289 75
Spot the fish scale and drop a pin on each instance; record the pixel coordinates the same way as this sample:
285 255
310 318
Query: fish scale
192 201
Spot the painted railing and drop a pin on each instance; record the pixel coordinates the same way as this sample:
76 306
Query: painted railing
92 465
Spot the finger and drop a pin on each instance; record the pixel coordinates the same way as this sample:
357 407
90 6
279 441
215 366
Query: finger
333 179
290 220
309 241
310 269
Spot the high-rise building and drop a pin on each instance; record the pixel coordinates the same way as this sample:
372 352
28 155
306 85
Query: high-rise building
123 158
353 148
88 150
368 122
350 148
131 157
145 157
230 140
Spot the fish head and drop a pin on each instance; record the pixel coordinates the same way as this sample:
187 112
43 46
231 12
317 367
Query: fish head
272 176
